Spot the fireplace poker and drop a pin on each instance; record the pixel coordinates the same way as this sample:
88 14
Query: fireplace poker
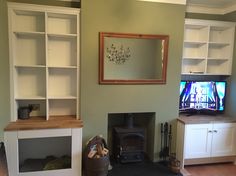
162 133
166 148
170 139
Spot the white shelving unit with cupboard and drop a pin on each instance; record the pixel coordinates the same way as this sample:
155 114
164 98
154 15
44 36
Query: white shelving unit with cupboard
208 47
44 74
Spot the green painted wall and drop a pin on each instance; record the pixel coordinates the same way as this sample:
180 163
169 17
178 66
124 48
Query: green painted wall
4 70
231 99
128 16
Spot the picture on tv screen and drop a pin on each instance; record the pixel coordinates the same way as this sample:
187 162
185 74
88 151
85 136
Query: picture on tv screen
202 95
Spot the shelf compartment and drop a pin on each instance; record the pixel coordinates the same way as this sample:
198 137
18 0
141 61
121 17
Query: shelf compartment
62 107
194 50
221 34
29 49
40 113
219 51
30 82
62 23
62 51
62 82
28 21
196 32
47 152
218 67
193 66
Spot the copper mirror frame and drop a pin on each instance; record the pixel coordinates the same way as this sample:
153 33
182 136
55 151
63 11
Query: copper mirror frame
132 58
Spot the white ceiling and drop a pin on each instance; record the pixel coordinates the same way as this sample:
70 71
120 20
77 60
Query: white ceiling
211 6
199 6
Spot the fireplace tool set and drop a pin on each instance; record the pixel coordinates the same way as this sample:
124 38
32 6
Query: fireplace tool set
166 137
168 158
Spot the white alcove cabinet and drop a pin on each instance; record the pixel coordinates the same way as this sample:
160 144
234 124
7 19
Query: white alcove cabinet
44 74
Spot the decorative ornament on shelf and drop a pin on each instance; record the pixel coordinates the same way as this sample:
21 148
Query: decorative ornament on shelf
118 55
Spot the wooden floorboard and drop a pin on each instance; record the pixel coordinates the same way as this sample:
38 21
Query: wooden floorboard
226 169
3 168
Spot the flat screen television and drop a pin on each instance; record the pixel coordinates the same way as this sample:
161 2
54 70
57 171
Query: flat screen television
202 96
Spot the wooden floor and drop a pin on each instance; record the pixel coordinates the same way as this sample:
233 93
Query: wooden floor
227 169
3 169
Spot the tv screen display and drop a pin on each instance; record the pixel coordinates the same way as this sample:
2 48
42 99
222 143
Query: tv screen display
202 95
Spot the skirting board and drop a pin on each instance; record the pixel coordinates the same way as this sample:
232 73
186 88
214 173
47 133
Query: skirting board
210 160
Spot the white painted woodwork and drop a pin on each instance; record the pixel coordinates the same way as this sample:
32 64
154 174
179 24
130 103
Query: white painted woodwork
208 47
201 143
12 139
180 143
198 139
224 140
211 6
44 70
44 59
183 2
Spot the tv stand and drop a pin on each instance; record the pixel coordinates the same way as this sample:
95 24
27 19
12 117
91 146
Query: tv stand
199 112
205 131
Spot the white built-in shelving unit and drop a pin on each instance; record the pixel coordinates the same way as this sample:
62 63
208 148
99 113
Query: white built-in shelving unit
208 47
44 59
44 72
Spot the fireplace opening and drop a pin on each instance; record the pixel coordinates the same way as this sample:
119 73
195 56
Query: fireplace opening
131 136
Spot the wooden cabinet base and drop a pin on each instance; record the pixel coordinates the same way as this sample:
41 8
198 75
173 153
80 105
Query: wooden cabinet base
210 160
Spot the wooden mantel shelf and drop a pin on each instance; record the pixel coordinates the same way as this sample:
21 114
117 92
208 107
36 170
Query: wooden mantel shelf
36 123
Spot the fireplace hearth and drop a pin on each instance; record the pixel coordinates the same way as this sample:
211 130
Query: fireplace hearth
129 141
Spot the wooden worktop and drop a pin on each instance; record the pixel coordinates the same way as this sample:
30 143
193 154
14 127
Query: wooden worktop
34 123
199 119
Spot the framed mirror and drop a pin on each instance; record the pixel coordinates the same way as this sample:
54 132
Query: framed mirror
132 58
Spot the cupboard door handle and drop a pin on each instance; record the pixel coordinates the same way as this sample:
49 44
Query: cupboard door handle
215 131
209 131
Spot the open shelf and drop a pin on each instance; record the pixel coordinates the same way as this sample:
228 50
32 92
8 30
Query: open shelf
221 34
193 66
62 23
214 66
68 51
62 82
29 49
62 107
194 50
41 112
208 47
196 32
33 21
30 82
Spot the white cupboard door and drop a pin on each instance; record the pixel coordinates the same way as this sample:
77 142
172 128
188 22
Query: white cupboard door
223 142
198 141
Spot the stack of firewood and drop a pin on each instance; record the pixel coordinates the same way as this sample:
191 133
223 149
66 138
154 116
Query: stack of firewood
97 151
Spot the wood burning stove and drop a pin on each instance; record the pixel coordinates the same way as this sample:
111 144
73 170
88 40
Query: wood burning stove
129 142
